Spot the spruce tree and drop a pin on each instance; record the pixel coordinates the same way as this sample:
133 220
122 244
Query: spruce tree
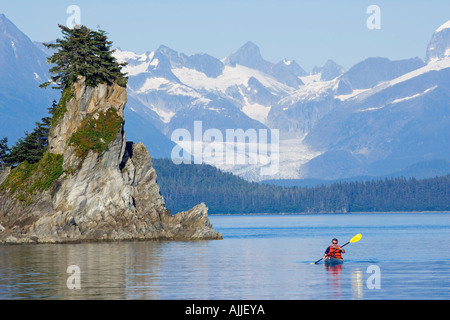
31 148
4 151
83 52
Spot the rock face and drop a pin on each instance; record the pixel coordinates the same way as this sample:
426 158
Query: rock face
108 189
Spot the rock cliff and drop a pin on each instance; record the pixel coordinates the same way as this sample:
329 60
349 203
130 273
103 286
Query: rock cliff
92 184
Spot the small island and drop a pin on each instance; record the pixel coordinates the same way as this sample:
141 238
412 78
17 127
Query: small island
89 183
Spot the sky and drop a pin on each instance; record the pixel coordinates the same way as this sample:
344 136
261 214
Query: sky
309 32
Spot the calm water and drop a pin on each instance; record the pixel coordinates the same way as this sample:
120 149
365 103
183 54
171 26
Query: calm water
261 257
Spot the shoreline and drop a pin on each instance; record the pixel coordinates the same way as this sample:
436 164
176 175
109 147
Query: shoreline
324 213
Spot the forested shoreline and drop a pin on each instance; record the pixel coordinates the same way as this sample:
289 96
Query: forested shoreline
185 185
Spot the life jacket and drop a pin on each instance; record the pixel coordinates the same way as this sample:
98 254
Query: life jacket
334 252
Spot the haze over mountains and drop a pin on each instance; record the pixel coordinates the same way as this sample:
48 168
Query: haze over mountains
379 118
22 69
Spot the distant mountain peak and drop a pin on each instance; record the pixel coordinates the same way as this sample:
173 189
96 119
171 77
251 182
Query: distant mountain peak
439 45
329 71
15 46
165 49
248 49
444 26
374 70
248 55
22 68
249 45
290 66
7 26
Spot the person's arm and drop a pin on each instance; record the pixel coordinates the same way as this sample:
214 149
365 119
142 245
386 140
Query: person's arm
342 250
326 253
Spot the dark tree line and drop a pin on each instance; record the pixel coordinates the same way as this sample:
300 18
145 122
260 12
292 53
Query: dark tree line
184 186
30 148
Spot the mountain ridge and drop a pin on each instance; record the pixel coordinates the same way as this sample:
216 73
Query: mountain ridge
22 69
315 113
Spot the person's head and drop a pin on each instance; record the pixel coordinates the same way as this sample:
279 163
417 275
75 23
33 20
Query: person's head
334 241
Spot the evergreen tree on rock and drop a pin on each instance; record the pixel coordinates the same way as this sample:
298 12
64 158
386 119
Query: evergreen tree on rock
83 52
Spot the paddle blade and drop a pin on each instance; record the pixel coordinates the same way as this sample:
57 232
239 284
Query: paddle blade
356 238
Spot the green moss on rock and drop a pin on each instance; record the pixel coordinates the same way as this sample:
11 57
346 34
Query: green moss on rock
61 108
97 132
27 179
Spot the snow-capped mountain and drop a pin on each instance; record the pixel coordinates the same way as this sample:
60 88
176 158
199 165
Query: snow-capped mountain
249 55
171 88
333 123
380 117
439 46
372 71
172 91
329 71
387 128
394 121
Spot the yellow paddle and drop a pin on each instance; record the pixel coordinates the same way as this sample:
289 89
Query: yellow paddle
354 239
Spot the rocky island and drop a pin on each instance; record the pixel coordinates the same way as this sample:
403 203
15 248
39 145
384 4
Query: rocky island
91 184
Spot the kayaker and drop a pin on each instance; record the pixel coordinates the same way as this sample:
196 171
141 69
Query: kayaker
334 250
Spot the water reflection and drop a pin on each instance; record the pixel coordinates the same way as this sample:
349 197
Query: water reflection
339 283
244 266
128 270
40 271
334 273
357 284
